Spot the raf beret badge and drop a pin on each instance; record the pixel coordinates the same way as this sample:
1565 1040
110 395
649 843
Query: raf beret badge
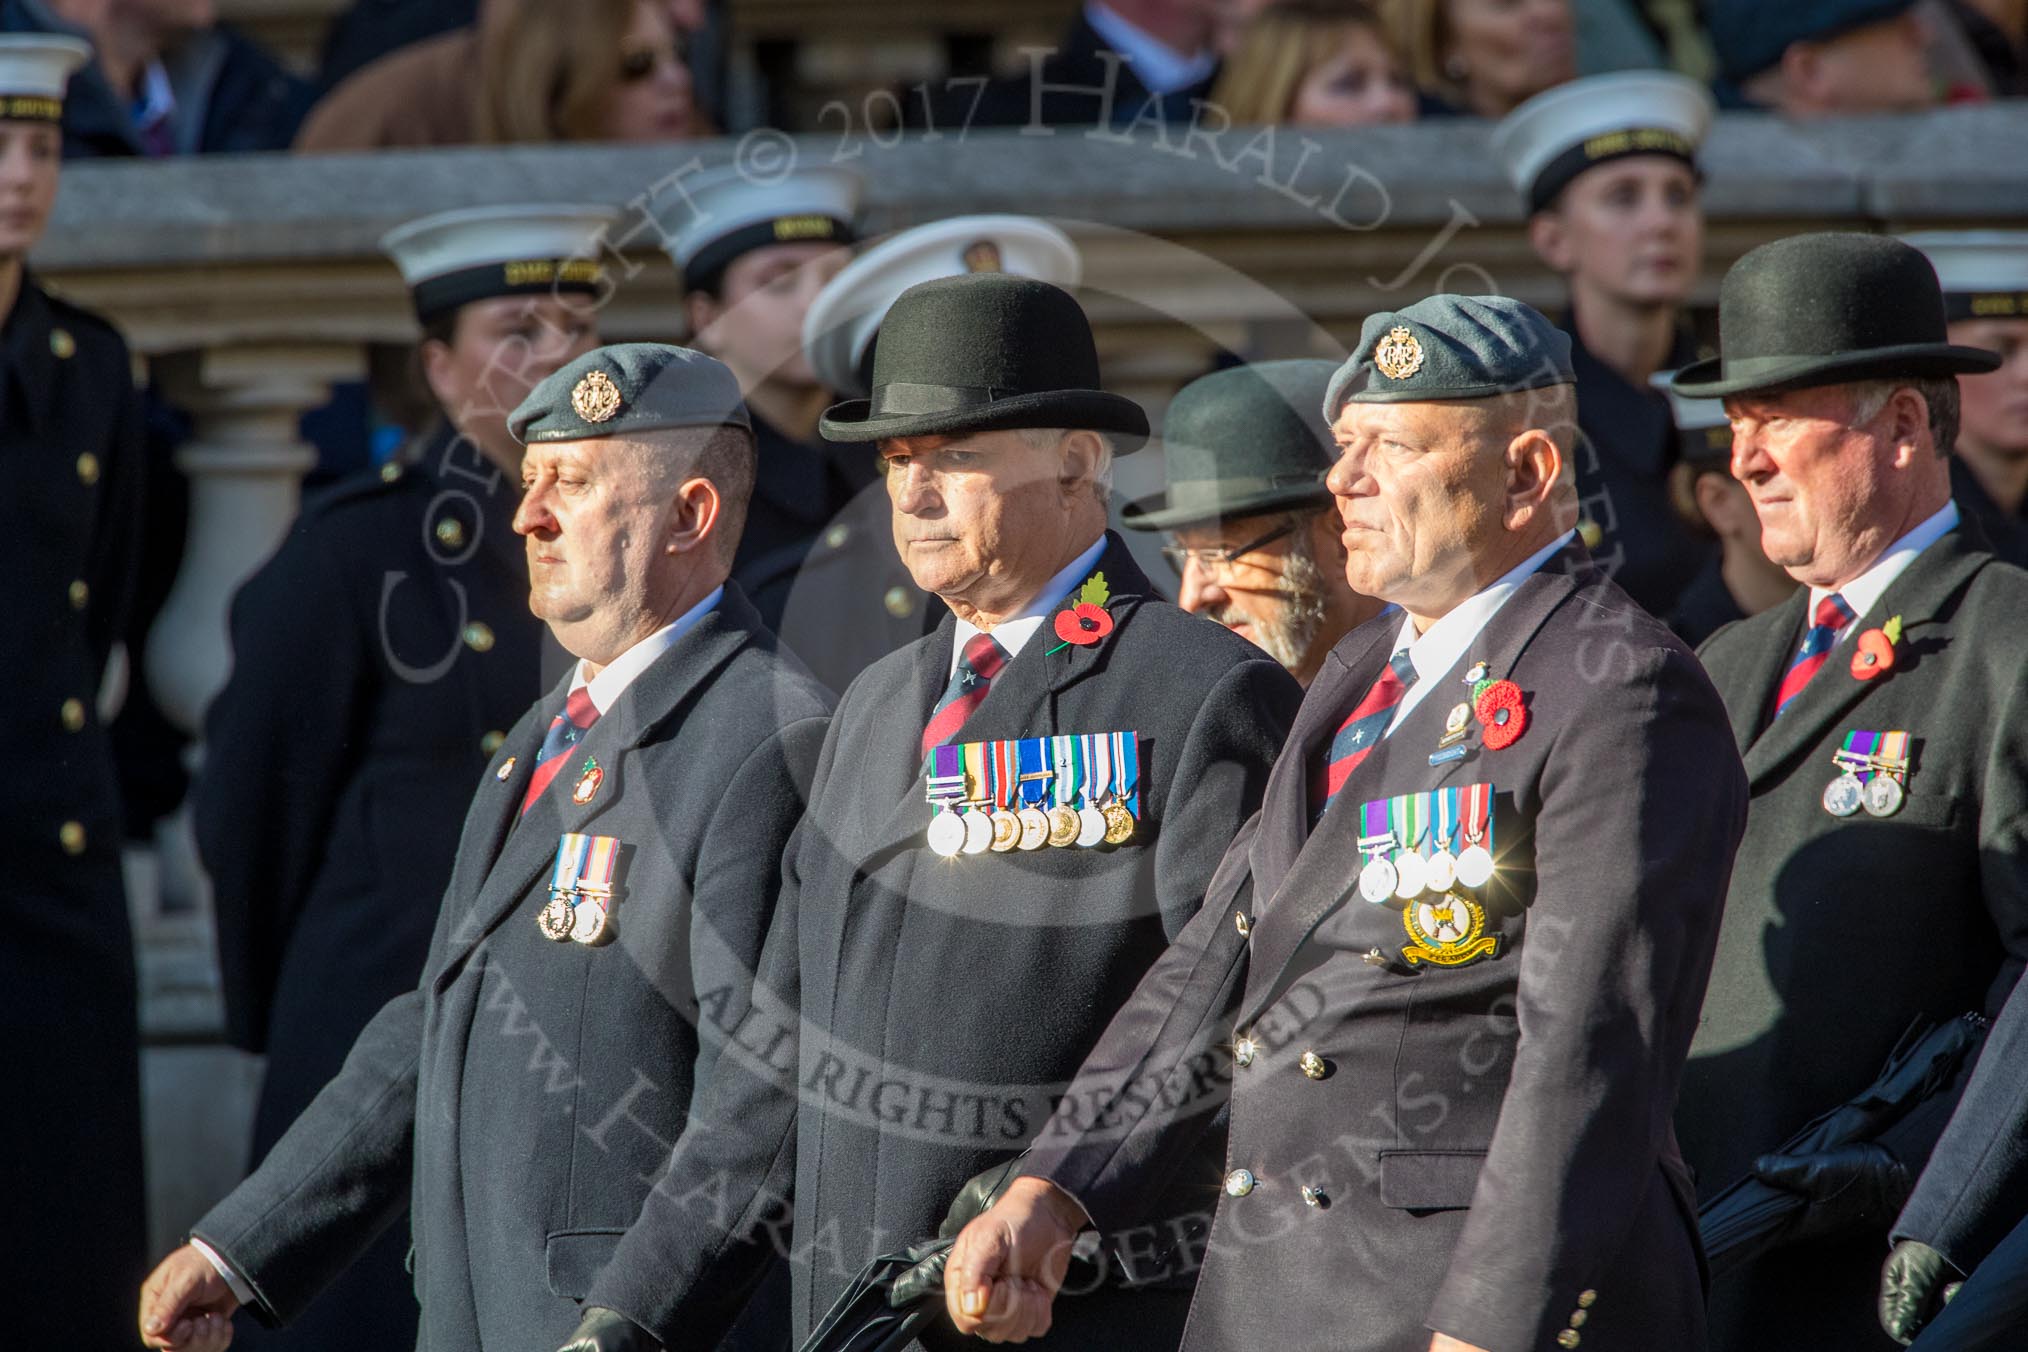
1398 356
595 397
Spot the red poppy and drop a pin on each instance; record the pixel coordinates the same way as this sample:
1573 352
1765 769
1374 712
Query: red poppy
1083 624
1502 715
1874 655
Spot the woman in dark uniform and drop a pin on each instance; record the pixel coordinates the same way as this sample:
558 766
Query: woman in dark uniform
1608 165
70 436
378 658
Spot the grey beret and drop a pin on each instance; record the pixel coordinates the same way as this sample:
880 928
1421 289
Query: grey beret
627 388
1451 347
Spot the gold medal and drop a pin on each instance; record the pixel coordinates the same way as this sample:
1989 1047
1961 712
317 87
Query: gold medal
1064 827
557 918
1119 823
1034 829
1006 831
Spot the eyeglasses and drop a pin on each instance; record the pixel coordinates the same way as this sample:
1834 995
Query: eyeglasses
1220 557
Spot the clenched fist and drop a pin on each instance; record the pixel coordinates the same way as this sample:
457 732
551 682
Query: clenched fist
1009 1263
186 1306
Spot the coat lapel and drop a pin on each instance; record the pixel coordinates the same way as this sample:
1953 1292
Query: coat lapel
31 363
1021 700
1918 596
651 699
1326 867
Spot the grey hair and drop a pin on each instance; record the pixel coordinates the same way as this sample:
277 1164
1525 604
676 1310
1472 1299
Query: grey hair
1101 477
1939 395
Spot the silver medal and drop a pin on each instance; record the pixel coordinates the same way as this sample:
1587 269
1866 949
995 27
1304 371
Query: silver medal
1376 880
1475 866
1440 871
1091 827
978 831
1843 795
1409 875
1883 795
589 922
947 834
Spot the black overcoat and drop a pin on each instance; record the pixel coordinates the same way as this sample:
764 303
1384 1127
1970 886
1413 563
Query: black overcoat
521 1099
1487 1147
931 1010
1841 932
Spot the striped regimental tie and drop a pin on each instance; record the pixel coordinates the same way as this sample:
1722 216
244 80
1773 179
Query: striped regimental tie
978 664
566 730
1832 617
1362 729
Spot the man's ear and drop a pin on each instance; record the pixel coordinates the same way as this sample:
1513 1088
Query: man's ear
701 310
1907 426
1534 477
1550 238
1080 450
695 520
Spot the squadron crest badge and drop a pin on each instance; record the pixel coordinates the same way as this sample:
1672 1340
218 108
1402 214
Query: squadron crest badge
595 397
1398 356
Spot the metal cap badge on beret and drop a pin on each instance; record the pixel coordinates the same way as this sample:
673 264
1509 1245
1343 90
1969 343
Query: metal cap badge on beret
1751 35
35 70
1451 347
839 330
1984 273
1561 132
1826 308
628 388
985 352
1241 442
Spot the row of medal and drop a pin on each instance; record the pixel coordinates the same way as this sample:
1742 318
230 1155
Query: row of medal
1432 841
1872 766
1076 791
580 889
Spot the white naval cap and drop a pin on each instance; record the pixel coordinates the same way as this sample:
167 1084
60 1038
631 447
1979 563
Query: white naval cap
710 219
456 257
1984 273
839 330
1703 430
35 69
1561 132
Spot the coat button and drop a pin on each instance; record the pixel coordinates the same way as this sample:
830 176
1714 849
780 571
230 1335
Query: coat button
1586 1299
88 469
71 835
1374 958
1315 1197
1244 1050
73 715
390 471
1312 1065
62 345
1577 1318
1238 1183
1568 1338
898 602
837 536
80 594
1591 533
1242 924
478 637
450 532
492 741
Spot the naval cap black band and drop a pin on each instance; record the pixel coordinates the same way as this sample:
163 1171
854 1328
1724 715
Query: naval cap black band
706 270
1556 175
30 108
439 296
1985 305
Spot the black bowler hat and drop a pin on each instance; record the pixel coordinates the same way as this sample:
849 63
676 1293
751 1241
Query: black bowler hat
1242 442
1823 309
985 352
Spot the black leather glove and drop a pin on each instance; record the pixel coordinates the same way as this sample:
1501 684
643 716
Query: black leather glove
1916 1283
601 1330
926 1278
1849 1188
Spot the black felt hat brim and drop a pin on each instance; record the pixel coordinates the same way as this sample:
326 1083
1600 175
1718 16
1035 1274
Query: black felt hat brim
1709 379
1091 410
1155 513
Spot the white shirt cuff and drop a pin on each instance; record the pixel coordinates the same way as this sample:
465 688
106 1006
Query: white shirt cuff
241 1291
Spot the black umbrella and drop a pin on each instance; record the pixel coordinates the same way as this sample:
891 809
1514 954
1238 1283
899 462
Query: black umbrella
1752 1216
872 1316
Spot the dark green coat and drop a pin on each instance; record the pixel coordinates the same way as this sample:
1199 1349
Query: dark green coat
1840 932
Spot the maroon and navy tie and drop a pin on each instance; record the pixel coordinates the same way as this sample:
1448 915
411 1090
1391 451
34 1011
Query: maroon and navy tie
1363 728
978 664
1831 618
566 730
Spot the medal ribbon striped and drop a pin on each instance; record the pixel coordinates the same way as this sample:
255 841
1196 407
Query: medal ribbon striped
1099 755
1127 755
1478 815
1446 816
1375 838
1893 754
600 861
1409 816
976 790
1063 758
1005 772
571 851
1031 758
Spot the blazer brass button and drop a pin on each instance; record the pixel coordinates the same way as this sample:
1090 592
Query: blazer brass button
897 602
1239 1183
492 741
1568 1338
71 835
1577 1318
1315 1197
88 469
837 535
1244 1050
1312 1065
73 715
80 594
1242 924
1586 1299
478 637
450 532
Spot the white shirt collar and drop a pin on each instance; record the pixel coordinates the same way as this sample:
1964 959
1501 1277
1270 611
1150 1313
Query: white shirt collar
157 98
1160 69
1436 651
607 687
1013 634
1863 592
